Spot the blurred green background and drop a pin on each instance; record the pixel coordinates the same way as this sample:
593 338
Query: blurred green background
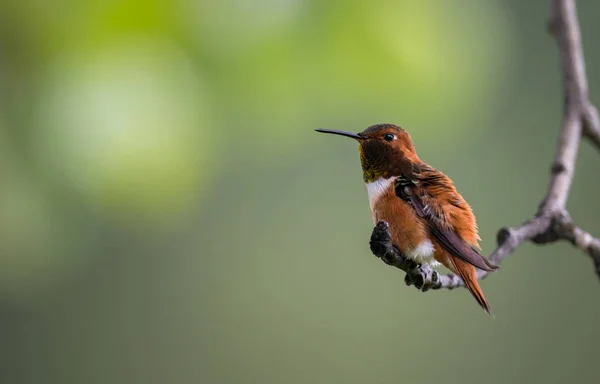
168 214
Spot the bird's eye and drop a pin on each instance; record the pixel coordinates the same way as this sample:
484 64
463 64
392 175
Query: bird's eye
389 137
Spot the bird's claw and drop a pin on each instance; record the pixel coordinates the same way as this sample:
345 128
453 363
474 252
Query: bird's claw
423 277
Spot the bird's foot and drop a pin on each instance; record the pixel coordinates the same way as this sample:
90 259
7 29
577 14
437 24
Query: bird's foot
423 277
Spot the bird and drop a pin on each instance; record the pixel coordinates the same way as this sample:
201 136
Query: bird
429 221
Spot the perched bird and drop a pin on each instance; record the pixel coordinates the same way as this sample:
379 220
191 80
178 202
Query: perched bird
429 221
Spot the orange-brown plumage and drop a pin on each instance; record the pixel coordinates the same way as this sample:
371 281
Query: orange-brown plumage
428 219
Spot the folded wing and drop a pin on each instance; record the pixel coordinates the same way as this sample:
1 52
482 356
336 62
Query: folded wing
434 198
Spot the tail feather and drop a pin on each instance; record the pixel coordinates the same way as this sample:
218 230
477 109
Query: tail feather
468 274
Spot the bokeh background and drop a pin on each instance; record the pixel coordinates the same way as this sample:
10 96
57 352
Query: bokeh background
168 214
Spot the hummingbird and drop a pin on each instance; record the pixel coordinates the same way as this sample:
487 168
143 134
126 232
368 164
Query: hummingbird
429 221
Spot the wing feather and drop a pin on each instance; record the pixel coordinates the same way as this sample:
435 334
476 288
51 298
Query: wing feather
426 191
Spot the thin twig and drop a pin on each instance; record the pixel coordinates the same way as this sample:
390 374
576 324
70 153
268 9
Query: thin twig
591 126
552 221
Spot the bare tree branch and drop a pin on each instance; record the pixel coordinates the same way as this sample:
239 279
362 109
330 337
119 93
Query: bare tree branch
591 126
552 221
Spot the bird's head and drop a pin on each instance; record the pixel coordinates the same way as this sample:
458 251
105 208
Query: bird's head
386 150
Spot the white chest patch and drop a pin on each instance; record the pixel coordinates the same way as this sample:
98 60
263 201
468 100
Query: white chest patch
422 253
377 188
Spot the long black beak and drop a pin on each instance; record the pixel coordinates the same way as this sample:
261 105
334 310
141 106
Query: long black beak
341 133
